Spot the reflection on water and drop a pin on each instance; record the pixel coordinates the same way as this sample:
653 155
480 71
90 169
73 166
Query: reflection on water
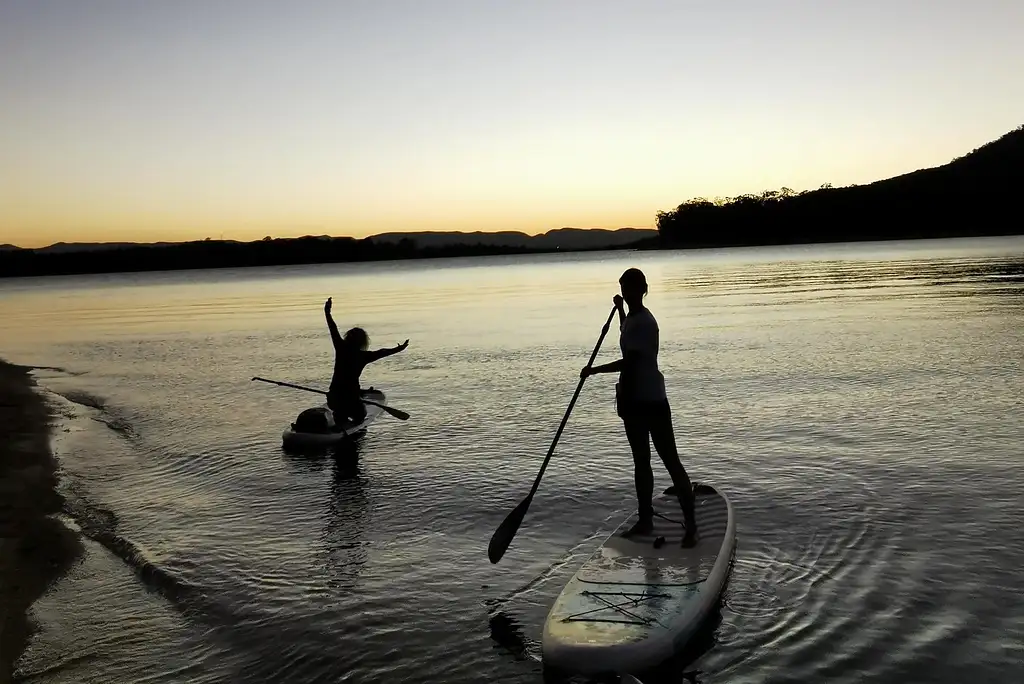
946 277
857 403
344 541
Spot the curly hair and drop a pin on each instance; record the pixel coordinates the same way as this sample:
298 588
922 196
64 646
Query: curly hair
358 338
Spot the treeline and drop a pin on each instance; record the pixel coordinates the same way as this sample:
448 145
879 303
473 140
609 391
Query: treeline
202 254
974 195
208 253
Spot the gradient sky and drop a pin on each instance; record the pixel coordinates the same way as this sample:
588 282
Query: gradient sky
151 120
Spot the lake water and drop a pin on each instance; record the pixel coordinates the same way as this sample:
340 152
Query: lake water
860 404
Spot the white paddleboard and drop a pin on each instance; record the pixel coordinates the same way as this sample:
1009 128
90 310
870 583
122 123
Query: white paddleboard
630 606
297 439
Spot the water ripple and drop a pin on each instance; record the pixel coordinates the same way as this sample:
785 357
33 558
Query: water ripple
855 403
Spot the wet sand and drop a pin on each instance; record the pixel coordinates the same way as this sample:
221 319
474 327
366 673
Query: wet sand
35 548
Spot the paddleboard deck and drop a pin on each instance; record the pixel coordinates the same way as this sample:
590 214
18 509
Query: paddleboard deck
339 432
637 600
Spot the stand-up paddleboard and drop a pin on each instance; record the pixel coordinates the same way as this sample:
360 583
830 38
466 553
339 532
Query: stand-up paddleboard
330 433
637 600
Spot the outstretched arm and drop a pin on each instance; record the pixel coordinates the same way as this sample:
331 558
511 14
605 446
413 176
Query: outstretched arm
331 325
386 351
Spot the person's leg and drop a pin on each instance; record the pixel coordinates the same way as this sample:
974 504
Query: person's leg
664 440
357 410
638 434
347 409
336 403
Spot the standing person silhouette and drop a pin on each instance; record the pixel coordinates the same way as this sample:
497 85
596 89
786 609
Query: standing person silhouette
344 396
642 403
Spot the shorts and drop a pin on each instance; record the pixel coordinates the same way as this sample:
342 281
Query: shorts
632 409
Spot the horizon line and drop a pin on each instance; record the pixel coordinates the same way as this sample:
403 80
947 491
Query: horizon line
323 235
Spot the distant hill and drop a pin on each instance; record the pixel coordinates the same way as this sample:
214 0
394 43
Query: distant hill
59 247
75 258
559 238
977 194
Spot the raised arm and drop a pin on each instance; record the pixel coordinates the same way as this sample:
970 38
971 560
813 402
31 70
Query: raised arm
378 354
331 325
630 357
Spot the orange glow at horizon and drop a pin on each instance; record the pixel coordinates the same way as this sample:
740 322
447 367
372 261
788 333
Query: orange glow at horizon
160 123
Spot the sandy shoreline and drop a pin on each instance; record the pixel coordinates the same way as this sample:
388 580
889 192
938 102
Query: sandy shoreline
35 548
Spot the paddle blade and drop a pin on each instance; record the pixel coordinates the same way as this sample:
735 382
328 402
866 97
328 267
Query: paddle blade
502 536
400 415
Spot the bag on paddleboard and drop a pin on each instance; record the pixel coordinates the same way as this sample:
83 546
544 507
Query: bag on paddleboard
313 420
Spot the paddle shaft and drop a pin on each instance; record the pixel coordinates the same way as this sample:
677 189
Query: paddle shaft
288 384
393 411
575 396
502 536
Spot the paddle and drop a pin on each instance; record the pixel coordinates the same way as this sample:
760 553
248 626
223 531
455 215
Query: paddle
401 415
502 537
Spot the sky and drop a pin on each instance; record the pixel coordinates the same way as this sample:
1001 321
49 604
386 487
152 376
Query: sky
129 120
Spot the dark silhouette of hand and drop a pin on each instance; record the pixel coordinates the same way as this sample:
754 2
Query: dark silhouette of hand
617 301
586 372
403 345
327 305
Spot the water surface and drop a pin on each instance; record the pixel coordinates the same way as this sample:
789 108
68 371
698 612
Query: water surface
860 404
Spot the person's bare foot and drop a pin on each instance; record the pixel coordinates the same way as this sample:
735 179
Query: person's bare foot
690 539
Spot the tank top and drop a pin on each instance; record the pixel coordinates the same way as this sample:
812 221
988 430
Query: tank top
638 335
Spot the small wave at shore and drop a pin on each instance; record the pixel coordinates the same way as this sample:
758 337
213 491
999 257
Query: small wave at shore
35 548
